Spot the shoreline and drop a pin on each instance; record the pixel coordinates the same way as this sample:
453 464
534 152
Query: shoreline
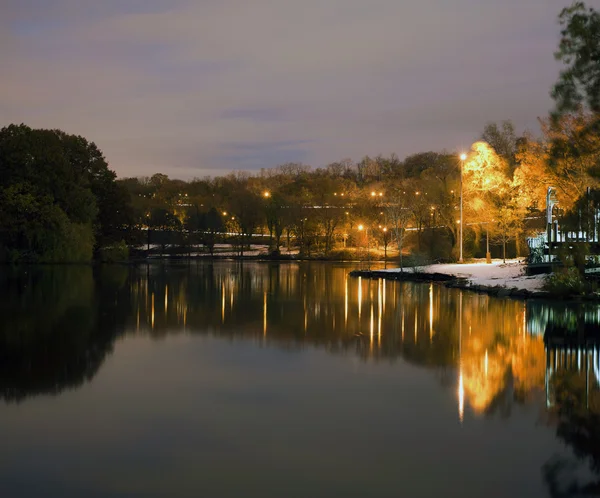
452 282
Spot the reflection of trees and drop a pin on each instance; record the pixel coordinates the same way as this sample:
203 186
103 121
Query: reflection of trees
574 400
500 362
58 324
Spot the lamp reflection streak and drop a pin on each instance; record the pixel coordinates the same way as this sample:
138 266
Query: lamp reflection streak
379 309
371 327
222 303
152 316
461 397
359 296
430 312
346 302
265 314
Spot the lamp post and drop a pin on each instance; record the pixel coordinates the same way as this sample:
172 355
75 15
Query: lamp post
366 229
488 255
462 161
385 243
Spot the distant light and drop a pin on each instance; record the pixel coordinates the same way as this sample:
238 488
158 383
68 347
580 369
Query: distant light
267 194
380 194
360 227
373 194
224 213
463 156
384 229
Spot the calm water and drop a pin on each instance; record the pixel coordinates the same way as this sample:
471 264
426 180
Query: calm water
288 380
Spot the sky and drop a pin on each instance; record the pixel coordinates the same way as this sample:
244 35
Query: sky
192 88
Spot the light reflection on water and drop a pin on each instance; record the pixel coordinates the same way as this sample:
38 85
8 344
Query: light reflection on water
487 355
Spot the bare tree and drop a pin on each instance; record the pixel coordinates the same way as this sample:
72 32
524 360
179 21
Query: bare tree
400 215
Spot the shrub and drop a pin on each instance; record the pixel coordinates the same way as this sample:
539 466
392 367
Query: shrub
565 282
115 253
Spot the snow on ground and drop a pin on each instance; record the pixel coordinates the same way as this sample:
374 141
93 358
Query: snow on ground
510 274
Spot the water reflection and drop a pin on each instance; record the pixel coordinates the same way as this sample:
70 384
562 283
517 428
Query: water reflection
59 324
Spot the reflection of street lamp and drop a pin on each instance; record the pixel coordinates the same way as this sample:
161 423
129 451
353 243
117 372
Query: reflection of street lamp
462 161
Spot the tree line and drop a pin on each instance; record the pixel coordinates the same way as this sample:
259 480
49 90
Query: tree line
59 201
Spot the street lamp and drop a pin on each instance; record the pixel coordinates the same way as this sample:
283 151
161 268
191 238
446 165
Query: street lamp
463 156
267 194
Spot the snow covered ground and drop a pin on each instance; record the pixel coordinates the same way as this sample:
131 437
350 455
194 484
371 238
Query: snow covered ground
510 274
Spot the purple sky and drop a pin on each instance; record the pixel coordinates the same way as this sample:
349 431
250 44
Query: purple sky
202 87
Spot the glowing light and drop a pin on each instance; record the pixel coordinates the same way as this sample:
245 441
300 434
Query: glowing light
267 194
360 228
224 213
373 194
463 156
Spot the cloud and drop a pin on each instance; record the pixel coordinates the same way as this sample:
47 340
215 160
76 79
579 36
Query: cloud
256 155
163 85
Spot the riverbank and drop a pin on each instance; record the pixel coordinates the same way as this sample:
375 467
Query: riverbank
498 279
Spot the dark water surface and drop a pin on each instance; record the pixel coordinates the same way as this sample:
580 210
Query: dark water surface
289 380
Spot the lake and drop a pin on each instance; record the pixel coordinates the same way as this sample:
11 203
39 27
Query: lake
233 379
